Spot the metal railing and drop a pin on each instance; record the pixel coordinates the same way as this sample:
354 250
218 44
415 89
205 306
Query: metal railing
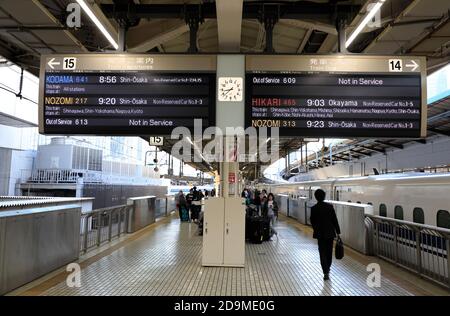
64 176
102 225
163 206
54 176
419 248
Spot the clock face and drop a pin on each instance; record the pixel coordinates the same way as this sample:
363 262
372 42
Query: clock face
230 89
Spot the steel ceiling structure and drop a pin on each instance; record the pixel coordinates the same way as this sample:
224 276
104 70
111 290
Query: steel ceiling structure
438 125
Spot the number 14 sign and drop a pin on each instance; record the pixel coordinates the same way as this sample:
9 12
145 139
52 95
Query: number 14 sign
396 65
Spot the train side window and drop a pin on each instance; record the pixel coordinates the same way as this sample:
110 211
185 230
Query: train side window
349 201
359 202
398 212
418 215
443 219
383 210
369 203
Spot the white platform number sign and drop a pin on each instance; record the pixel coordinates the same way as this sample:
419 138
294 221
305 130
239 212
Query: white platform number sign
69 63
156 141
395 65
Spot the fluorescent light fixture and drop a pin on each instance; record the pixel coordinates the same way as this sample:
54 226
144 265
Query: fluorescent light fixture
189 140
364 22
97 22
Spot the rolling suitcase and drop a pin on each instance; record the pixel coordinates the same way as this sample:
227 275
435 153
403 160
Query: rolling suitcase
256 229
266 230
184 215
247 227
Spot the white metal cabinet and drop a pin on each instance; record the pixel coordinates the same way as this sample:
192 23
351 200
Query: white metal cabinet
234 237
213 219
224 232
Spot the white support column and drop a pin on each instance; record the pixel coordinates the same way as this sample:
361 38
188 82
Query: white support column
229 22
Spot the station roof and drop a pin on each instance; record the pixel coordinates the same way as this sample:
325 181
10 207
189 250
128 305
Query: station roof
13 121
31 28
438 125
408 27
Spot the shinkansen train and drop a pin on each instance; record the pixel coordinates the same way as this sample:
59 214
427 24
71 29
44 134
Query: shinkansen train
175 189
415 197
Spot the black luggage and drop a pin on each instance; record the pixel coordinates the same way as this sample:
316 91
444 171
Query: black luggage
339 249
247 227
267 230
194 212
256 226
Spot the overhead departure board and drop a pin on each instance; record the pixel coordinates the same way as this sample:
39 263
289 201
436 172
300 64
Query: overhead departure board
105 94
337 96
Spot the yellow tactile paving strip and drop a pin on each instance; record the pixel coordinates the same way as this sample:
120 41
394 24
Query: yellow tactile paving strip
165 259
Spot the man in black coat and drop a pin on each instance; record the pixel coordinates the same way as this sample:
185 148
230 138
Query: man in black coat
326 226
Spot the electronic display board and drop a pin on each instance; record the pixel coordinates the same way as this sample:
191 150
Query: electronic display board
337 96
125 94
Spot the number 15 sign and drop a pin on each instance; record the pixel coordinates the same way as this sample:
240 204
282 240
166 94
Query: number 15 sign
156 141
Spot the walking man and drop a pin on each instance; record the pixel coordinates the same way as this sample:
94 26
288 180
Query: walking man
326 226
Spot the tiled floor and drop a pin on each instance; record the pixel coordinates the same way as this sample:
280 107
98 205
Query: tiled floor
167 261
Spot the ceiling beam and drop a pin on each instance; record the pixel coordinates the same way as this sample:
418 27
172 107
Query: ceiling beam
396 16
302 10
313 26
439 132
440 116
304 41
374 149
426 34
341 158
360 153
389 144
149 35
229 25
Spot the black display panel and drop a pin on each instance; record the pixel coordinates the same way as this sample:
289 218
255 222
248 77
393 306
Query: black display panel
125 102
335 104
361 105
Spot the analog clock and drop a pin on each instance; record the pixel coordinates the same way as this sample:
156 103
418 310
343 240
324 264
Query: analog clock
230 89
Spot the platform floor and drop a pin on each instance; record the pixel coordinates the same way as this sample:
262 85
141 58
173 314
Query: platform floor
166 260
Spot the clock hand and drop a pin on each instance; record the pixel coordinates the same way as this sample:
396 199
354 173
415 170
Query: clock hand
228 91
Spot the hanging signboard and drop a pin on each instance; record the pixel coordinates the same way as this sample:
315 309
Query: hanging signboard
125 94
337 95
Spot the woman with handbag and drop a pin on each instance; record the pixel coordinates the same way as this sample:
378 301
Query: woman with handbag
270 211
326 226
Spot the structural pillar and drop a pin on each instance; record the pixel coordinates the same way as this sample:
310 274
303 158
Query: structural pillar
342 37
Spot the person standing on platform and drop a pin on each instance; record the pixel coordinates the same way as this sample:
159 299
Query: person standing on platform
270 210
263 199
257 201
196 204
326 226
182 204
189 199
